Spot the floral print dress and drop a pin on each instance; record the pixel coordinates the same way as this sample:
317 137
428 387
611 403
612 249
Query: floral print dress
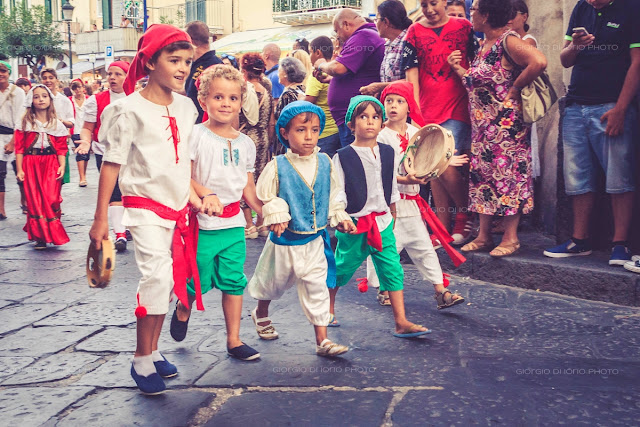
501 179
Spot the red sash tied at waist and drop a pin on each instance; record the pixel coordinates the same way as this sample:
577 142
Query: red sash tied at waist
183 248
368 224
230 210
437 227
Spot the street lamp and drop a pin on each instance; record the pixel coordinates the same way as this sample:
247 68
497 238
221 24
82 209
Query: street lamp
67 14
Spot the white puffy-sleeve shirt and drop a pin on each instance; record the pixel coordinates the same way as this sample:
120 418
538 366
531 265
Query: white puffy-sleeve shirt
64 108
137 136
276 210
370 158
11 112
222 165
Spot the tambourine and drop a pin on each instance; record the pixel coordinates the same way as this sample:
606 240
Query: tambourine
429 152
100 264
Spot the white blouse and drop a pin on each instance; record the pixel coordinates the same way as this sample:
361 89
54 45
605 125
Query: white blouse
222 165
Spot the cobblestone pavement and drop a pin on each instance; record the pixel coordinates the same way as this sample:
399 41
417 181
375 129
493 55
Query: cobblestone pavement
509 356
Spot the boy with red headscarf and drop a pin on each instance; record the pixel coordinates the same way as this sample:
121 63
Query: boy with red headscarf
146 142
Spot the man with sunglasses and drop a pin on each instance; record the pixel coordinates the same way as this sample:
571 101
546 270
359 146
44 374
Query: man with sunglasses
203 58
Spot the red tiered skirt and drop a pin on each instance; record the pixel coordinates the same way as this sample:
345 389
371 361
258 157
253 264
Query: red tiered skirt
42 191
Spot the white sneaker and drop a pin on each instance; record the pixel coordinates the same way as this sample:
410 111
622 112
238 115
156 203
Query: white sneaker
633 266
328 348
635 258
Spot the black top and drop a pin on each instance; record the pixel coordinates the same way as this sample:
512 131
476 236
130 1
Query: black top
198 66
355 181
600 69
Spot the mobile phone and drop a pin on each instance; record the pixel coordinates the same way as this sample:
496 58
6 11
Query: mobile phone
581 31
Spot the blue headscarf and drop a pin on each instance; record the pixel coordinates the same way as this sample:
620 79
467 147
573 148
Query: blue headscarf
292 110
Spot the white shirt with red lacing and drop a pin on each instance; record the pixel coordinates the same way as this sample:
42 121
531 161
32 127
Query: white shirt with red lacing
137 135
404 208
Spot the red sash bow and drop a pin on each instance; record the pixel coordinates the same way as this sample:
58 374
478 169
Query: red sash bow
183 248
368 224
438 229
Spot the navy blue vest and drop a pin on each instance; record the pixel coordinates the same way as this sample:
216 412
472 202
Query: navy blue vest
355 182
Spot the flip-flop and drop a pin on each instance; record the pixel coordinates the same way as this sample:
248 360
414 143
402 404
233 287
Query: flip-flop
333 322
411 334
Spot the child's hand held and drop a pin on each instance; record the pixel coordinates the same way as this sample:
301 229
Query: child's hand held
99 232
20 175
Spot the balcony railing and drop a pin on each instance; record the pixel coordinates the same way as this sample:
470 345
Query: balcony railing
208 11
306 12
122 40
291 6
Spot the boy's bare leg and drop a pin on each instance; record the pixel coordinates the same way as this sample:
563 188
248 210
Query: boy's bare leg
146 328
185 312
157 331
263 311
332 299
397 305
321 333
232 308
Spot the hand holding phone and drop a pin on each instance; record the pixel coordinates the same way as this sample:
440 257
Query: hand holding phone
581 37
580 31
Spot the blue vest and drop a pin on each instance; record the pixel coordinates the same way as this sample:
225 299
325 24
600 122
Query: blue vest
355 182
308 204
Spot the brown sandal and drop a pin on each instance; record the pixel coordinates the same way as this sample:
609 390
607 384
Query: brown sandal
475 247
505 250
444 302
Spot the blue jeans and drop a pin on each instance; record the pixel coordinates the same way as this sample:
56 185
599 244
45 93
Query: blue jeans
329 144
461 134
346 136
587 147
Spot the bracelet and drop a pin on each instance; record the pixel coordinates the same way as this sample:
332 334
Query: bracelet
210 194
392 212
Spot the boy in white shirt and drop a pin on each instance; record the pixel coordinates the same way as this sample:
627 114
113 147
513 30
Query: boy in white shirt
222 169
146 144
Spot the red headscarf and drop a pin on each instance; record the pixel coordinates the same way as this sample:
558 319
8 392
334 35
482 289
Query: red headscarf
405 90
155 38
124 66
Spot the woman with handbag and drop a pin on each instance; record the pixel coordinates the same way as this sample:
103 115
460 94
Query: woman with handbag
501 178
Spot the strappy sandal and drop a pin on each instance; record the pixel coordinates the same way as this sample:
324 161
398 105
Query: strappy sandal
383 299
267 332
251 232
474 247
444 302
505 250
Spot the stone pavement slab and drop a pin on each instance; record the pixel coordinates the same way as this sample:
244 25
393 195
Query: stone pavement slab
10 365
37 342
113 314
33 406
20 315
124 407
348 408
53 368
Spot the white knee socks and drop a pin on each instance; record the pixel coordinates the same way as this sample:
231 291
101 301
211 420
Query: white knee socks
115 215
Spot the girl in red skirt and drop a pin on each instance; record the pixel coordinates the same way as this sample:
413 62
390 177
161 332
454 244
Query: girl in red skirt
41 145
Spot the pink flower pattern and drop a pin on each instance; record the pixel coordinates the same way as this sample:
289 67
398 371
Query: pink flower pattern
501 181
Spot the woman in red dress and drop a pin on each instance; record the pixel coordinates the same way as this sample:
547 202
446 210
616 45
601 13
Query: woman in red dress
41 146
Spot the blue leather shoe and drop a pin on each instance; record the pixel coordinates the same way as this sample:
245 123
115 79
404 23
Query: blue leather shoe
165 368
151 385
